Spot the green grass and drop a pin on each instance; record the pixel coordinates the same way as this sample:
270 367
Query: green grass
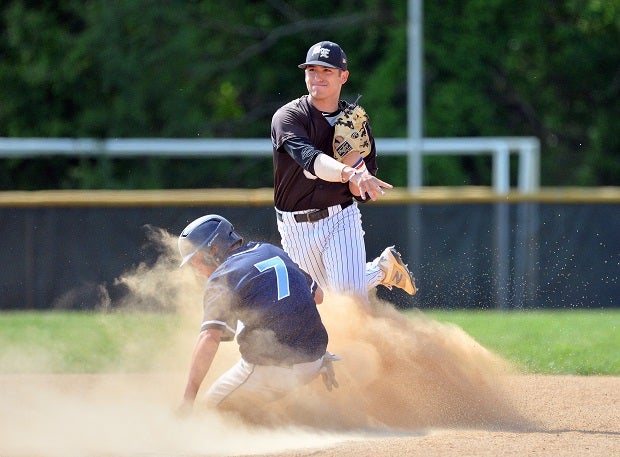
77 342
552 342
579 342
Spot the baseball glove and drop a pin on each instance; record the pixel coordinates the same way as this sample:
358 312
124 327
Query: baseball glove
351 133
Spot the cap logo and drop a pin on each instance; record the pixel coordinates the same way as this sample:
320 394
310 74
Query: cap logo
322 52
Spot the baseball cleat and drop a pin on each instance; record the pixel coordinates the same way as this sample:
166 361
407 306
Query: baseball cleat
396 272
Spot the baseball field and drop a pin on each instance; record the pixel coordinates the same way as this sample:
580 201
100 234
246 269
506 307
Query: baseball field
410 384
419 383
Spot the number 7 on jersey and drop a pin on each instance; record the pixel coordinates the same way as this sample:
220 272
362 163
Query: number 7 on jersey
281 274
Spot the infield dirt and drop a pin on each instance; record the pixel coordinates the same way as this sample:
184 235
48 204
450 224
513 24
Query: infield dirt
407 387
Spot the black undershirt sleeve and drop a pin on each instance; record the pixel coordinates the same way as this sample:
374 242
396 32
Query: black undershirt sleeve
302 151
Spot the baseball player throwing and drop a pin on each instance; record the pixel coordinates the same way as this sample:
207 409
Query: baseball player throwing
282 341
325 163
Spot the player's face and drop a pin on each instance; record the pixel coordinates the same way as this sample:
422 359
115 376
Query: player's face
324 83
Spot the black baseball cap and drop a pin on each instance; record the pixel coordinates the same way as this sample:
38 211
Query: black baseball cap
325 54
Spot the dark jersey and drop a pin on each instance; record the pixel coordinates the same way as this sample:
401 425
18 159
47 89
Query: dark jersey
299 120
260 286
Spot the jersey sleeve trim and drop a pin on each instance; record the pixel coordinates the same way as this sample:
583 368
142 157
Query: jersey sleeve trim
228 333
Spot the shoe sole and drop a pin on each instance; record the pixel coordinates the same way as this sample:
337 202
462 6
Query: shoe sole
404 270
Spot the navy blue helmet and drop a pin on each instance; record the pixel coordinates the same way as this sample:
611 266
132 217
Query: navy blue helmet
211 234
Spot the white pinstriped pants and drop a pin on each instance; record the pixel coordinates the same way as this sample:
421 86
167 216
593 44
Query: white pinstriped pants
331 250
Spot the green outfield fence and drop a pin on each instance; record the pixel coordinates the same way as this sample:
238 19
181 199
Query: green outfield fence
469 248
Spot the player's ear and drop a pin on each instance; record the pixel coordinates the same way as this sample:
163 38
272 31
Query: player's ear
344 76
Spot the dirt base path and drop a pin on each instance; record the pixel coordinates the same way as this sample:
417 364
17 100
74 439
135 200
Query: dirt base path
572 416
132 415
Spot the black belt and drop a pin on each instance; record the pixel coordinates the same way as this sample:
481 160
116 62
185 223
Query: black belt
314 215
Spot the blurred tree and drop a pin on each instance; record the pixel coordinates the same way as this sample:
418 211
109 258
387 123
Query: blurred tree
187 69
518 68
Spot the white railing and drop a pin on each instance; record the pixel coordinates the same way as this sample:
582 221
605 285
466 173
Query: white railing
528 149
500 148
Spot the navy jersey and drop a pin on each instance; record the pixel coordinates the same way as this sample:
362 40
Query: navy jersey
292 190
259 285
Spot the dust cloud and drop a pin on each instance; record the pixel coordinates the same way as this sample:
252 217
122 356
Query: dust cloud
397 375
404 373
